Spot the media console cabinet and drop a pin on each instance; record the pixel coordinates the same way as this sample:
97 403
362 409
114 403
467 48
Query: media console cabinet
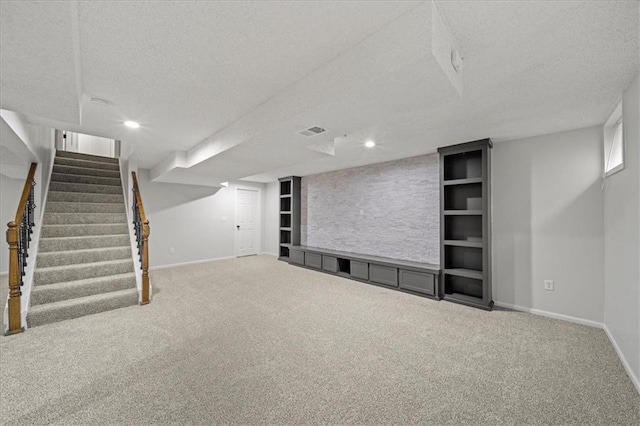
412 277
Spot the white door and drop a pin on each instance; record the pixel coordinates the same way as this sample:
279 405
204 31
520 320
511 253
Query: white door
247 221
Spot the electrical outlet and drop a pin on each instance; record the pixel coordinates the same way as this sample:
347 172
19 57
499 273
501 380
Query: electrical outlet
548 285
172 250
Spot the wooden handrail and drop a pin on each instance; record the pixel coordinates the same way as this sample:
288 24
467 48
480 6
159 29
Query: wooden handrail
25 192
18 237
143 230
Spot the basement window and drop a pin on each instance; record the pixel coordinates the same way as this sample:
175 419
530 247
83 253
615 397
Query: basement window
614 142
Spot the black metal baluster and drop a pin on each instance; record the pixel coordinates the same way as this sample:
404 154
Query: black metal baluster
137 225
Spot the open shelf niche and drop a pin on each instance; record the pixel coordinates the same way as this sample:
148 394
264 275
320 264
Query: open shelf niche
465 237
289 215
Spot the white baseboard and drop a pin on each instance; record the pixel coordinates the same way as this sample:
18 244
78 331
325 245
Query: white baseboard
3 273
550 314
269 253
174 265
623 359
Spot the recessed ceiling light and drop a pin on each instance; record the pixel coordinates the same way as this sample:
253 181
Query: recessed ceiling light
131 124
369 144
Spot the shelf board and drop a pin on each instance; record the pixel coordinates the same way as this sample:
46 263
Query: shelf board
467 273
285 212
285 228
286 196
463 212
462 181
286 245
466 299
463 243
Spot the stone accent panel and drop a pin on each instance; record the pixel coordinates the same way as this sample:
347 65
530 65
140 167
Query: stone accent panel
388 209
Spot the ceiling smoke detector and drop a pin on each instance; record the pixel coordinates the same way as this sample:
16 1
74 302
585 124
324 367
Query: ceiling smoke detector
312 131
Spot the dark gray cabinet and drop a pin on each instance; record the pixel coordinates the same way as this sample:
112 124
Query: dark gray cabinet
412 277
330 263
417 281
465 221
289 216
296 256
383 275
359 270
313 260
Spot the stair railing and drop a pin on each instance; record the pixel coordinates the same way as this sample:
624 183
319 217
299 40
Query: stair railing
19 238
142 230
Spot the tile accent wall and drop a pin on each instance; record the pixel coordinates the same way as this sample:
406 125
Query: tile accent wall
389 209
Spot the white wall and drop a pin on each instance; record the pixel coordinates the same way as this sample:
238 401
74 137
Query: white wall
39 139
272 218
95 145
197 222
622 242
548 223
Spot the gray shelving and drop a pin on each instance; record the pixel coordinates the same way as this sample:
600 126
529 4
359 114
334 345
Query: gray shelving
465 237
289 215
411 277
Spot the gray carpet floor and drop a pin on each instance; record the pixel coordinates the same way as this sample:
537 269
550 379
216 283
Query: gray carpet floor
256 341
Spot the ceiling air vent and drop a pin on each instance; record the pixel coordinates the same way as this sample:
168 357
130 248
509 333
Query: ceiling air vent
312 131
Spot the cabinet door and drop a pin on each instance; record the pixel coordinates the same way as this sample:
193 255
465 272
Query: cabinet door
297 257
313 260
360 270
383 275
329 263
417 281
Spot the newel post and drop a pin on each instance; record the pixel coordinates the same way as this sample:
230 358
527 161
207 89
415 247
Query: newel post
14 280
145 262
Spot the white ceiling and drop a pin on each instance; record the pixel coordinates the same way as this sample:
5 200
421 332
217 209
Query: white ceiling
225 86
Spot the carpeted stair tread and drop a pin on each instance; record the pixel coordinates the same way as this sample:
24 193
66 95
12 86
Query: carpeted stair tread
81 306
84 171
74 257
83 229
83 197
56 274
67 290
87 157
81 243
84 207
84 263
84 163
95 180
85 187
85 218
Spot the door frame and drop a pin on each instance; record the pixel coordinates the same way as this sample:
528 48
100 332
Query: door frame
258 218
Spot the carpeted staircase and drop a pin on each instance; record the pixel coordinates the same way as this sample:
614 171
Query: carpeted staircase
84 263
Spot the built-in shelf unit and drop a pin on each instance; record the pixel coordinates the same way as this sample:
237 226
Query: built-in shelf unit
289 215
465 221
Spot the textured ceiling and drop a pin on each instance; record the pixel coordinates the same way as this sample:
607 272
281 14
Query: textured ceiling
226 85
